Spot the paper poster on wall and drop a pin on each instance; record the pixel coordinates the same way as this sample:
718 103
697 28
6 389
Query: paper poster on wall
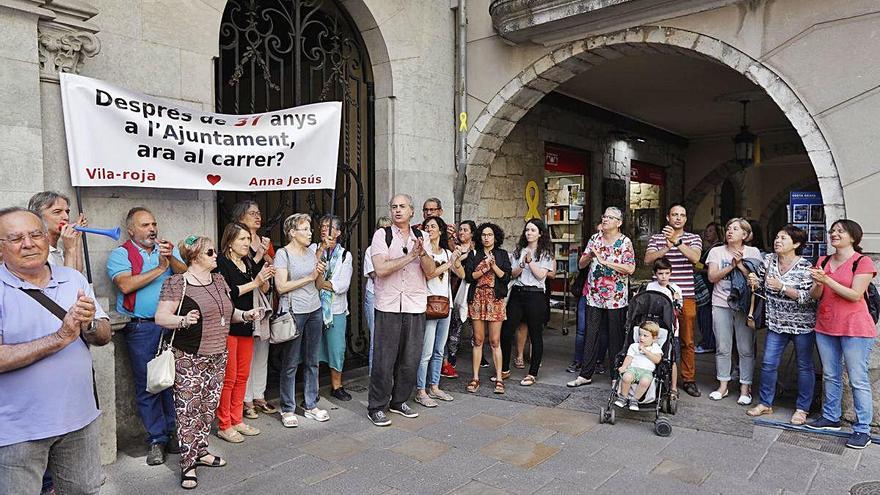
117 137
806 211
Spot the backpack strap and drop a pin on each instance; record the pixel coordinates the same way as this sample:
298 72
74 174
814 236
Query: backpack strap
856 264
389 237
828 259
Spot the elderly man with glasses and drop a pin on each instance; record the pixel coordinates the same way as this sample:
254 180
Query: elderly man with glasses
48 318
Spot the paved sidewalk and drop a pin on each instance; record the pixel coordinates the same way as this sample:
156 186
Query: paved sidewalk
481 445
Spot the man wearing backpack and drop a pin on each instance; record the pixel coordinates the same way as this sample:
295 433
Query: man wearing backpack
401 297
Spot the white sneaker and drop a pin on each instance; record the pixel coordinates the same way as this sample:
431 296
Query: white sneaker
620 402
744 400
288 419
633 405
577 382
317 414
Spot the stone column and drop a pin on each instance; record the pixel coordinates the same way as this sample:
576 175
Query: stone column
64 40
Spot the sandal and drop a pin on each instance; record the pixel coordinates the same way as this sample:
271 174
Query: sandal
265 407
250 413
189 481
799 417
673 394
473 385
519 363
759 410
504 376
528 381
499 387
216 462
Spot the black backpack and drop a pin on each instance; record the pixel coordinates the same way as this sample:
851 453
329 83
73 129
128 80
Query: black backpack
390 237
872 297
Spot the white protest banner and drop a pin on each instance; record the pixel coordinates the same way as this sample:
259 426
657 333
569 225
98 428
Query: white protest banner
117 137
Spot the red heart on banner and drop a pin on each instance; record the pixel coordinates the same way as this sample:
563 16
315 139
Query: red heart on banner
213 179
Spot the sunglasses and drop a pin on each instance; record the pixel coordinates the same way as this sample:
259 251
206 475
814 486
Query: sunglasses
210 252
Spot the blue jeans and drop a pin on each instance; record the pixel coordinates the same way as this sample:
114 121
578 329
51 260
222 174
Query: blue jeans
581 330
370 316
74 459
436 332
303 349
806 379
854 351
156 410
704 320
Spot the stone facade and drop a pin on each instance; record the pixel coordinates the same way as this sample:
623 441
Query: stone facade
521 159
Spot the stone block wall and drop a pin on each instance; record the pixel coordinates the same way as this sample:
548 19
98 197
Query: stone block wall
521 159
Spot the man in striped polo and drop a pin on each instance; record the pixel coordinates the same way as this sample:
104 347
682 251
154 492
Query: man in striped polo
683 250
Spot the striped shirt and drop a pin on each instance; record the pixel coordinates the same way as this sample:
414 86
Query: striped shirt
682 268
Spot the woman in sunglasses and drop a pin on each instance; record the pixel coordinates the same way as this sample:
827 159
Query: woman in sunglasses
196 305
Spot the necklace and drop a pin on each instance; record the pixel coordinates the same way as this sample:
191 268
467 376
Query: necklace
217 300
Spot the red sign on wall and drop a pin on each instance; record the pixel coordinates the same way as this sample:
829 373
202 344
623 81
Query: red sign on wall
566 160
647 174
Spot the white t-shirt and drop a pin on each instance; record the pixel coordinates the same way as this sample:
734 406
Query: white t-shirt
56 256
440 285
640 360
675 296
722 258
528 278
368 268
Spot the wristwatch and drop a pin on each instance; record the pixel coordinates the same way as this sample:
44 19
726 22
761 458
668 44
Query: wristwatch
93 328
677 243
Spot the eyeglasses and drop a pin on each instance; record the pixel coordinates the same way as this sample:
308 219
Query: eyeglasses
255 214
37 235
210 252
837 231
609 217
488 234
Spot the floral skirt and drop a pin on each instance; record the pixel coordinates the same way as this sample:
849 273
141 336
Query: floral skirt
485 307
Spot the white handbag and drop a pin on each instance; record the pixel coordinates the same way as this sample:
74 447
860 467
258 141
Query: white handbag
282 328
160 369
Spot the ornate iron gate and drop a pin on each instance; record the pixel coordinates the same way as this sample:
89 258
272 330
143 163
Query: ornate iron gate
276 54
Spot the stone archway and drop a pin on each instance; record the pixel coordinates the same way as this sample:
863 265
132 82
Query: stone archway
519 95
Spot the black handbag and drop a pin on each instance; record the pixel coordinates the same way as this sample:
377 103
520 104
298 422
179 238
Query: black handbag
577 286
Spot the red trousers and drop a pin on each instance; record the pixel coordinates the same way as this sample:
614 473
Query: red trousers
238 368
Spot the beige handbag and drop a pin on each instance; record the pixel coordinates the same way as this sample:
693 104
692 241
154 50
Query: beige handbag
160 369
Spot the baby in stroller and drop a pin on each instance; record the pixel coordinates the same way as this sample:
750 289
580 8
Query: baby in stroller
641 360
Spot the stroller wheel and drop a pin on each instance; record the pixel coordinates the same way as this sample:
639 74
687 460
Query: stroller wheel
662 427
611 416
664 405
602 413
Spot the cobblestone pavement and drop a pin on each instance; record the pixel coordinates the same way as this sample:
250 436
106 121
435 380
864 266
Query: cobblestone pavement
486 445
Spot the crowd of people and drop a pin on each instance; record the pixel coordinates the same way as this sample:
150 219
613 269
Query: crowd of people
427 286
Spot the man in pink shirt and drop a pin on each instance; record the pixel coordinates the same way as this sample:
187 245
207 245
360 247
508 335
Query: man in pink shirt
401 297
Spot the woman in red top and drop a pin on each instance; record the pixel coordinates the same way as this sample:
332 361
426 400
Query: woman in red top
844 329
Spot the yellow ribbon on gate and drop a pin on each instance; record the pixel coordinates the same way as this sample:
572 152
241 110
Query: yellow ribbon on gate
532 196
462 119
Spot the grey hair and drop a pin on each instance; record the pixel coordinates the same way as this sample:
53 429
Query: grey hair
408 198
43 200
129 218
383 222
18 209
335 221
434 200
616 211
240 209
293 221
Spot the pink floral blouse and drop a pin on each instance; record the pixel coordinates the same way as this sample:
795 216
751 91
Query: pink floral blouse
606 288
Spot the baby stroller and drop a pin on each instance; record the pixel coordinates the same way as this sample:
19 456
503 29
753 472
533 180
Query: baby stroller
656 307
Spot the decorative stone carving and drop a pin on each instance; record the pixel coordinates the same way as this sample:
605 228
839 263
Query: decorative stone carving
64 51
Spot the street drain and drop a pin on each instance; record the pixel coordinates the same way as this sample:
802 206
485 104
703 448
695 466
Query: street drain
866 488
822 443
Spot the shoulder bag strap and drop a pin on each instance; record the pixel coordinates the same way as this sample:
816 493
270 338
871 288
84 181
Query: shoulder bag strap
60 313
179 306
